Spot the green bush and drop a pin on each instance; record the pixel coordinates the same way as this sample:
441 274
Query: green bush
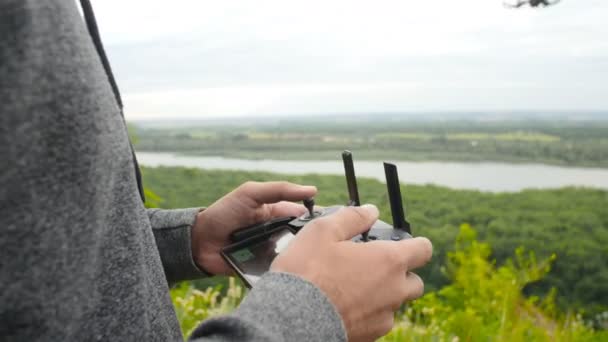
193 306
483 302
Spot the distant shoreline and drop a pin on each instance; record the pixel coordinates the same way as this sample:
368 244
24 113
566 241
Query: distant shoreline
481 176
560 143
364 155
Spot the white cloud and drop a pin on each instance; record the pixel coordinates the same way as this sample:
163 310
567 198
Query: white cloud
210 58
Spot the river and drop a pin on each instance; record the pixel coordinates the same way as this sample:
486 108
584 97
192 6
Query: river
486 176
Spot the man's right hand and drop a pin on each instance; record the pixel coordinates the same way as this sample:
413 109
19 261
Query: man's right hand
367 282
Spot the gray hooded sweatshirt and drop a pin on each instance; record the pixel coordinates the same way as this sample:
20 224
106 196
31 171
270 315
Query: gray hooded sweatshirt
80 257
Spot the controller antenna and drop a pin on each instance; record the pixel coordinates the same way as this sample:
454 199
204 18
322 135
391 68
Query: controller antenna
351 180
351 184
394 197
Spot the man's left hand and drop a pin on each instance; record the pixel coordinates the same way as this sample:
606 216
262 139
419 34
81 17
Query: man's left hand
248 204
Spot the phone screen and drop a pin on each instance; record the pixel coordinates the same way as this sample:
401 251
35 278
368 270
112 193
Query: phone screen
254 260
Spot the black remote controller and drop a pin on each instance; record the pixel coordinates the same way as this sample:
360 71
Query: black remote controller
255 247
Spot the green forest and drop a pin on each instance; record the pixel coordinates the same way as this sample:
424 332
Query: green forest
519 266
559 142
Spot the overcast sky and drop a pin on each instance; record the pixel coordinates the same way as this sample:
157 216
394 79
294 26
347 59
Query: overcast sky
195 59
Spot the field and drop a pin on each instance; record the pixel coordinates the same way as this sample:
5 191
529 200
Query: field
562 142
508 267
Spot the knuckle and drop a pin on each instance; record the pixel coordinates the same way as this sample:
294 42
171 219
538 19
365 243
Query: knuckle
327 227
282 185
342 216
330 220
320 226
248 185
392 257
356 215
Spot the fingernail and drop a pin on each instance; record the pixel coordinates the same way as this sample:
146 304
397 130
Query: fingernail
370 207
310 187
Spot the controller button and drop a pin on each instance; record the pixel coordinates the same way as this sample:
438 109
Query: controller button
395 238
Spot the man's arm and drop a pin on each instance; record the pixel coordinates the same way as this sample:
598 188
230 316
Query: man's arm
281 307
189 240
173 234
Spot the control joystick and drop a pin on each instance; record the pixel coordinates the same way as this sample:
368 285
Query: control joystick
309 203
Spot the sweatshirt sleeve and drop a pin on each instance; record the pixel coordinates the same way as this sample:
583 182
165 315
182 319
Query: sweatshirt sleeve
281 307
172 232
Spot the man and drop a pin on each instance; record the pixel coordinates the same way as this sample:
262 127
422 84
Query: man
81 259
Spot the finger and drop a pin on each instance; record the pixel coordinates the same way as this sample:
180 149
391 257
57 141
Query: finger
378 325
414 253
413 287
348 222
408 286
386 325
272 192
283 209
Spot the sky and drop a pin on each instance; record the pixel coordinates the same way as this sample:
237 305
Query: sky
208 59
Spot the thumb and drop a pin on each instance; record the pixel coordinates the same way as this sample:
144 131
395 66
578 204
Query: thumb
348 222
